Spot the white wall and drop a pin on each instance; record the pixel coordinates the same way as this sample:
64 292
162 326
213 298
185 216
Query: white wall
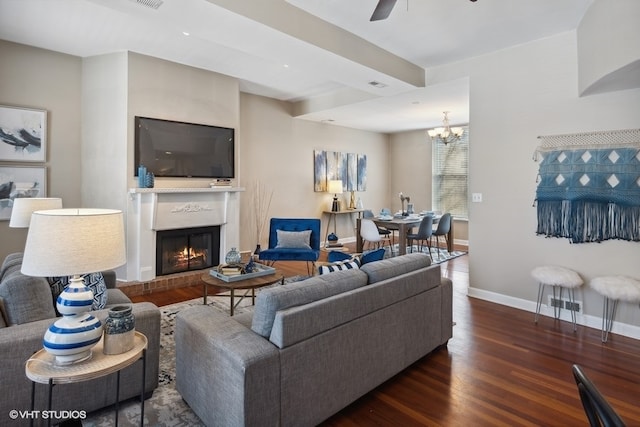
517 95
171 91
609 47
116 88
103 169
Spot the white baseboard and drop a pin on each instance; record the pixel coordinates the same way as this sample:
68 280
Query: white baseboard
590 321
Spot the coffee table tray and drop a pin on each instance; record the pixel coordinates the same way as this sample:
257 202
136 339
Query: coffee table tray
259 270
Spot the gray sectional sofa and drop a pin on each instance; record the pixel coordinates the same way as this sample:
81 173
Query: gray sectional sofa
26 311
311 348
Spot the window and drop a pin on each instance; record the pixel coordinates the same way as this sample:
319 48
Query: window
450 176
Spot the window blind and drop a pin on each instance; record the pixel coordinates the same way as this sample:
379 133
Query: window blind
450 176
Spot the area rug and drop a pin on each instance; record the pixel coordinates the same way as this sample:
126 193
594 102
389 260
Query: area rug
437 256
165 407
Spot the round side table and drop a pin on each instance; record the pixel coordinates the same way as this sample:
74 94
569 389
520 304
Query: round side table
41 368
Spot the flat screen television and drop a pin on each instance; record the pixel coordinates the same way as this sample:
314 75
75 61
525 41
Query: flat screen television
177 149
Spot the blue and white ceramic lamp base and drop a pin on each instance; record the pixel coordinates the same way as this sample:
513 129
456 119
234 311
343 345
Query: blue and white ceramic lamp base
71 337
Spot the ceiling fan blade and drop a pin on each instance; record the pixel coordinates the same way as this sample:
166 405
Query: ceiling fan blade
383 9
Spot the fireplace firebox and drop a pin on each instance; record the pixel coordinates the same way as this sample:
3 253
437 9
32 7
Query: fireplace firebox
187 249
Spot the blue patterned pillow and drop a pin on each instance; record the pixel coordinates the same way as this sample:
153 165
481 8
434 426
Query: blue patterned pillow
94 281
371 256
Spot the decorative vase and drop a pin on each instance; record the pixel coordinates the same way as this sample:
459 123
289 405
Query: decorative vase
119 330
359 204
149 180
233 257
142 176
71 337
333 239
250 266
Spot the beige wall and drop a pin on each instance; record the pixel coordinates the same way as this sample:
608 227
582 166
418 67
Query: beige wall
41 79
104 93
410 172
516 94
278 150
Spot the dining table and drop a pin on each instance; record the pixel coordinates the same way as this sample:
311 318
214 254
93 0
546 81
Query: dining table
403 225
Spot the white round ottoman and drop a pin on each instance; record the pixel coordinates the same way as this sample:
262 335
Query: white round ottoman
614 289
559 278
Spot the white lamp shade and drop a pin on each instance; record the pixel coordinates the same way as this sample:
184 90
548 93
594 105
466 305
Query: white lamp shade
23 207
334 186
65 242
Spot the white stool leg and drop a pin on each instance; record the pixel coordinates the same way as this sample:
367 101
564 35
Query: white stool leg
608 314
539 302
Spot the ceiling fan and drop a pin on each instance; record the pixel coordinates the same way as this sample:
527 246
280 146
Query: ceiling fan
383 9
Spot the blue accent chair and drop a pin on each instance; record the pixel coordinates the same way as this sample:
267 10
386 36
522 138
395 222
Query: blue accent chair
273 254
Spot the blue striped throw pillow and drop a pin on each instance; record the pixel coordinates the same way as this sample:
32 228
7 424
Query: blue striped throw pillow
337 266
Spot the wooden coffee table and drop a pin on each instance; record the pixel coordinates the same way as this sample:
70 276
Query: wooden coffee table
247 284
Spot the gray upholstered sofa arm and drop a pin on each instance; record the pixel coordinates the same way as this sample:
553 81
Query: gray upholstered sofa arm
241 369
19 342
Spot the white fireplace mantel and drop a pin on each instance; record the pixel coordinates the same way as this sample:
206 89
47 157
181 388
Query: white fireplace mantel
220 189
153 209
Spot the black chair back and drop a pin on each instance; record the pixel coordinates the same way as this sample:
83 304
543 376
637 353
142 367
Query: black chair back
598 411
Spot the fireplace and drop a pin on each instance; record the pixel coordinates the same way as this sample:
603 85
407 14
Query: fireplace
187 249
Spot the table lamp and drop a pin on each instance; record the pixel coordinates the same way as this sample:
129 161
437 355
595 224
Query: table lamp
335 187
71 242
23 207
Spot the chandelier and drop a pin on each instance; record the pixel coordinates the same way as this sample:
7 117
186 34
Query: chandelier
446 134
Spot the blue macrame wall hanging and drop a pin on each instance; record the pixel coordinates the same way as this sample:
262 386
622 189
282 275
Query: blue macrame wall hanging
589 186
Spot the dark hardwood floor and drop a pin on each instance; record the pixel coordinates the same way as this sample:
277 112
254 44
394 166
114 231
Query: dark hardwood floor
499 369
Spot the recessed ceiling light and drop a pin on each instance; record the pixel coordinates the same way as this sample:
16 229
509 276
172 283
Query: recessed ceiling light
377 84
285 65
186 33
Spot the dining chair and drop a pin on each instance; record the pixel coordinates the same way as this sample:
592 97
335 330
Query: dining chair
597 409
425 231
369 233
368 213
444 225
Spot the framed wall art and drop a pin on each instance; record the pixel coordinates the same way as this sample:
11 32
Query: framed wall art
320 170
23 134
20 181
351 168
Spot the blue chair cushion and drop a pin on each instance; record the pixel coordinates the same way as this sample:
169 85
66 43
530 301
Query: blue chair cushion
289 255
